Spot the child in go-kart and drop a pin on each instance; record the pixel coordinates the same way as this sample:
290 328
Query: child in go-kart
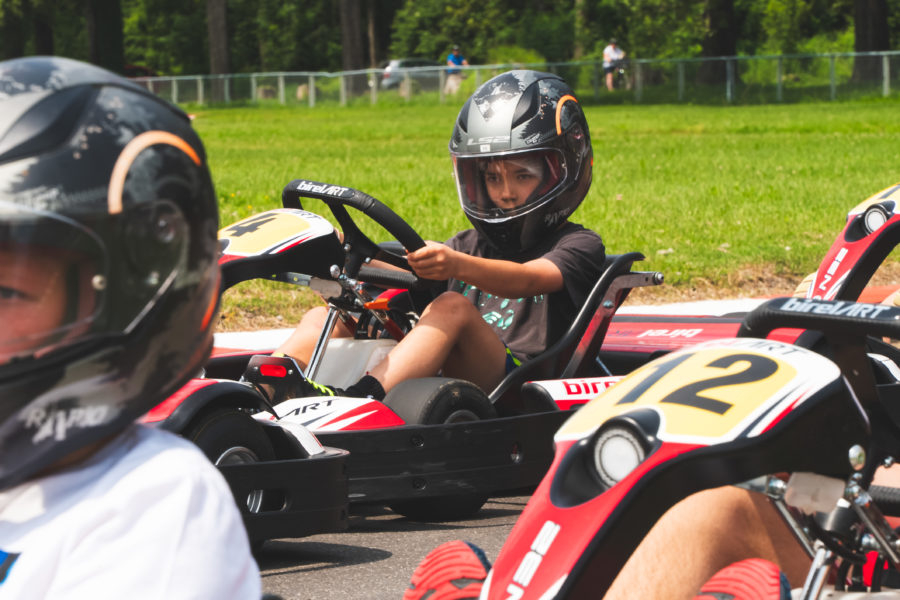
108 292
522 160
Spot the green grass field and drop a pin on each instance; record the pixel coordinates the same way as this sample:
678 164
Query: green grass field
720 198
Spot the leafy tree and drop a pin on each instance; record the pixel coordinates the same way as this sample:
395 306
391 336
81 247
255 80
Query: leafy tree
429 28
168 36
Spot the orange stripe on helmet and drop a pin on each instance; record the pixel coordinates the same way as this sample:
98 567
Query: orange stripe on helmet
559 106
213 304
129 154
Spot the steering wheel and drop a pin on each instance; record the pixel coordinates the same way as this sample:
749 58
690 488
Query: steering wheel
359 246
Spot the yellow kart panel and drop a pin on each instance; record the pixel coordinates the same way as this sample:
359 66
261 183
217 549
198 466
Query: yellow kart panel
261 233
711 391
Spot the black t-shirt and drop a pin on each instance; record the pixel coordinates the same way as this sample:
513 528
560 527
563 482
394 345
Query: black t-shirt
529 325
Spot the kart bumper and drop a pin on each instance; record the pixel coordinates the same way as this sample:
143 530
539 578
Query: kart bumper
304 496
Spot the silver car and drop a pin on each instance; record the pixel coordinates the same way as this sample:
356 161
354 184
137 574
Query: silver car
418 69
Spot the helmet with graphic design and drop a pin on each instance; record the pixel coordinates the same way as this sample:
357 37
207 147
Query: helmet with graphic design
108 272
522 158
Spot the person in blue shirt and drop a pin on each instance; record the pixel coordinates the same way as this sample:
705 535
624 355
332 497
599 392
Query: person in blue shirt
454 76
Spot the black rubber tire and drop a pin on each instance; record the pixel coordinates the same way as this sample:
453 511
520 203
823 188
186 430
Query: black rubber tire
233 437
219 433
434 401
438 400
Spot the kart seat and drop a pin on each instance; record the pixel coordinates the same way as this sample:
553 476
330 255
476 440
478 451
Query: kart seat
575 353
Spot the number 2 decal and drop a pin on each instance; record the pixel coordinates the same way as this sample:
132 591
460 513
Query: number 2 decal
714 391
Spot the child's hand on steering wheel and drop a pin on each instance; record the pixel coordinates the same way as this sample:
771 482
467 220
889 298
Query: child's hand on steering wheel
434 261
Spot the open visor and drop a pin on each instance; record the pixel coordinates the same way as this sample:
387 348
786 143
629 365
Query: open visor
504 186
52 277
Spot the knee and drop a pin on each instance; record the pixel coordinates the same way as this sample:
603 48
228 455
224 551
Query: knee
451 306
314 318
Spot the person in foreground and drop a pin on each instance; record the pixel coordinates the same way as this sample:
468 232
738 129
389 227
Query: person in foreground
522 160
108 294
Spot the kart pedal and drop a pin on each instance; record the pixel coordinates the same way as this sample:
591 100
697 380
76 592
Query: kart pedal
452 571
750 579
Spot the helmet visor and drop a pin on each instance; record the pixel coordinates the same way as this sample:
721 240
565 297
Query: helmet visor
505 186
51 281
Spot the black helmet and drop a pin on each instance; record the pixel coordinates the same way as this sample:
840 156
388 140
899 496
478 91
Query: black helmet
108 273
529 123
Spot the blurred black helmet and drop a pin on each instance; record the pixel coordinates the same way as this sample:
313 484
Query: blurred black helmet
108 273
524 129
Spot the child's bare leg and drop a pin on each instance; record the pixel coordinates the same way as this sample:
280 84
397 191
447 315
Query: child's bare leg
451 334
702 534
302 340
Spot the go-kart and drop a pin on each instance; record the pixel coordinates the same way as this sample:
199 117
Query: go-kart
638 334
722 412
821 403
435 448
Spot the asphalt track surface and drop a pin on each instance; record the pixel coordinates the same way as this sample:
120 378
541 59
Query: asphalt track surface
376 556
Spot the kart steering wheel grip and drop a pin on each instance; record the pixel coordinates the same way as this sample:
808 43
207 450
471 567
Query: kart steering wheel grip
836 317
338 198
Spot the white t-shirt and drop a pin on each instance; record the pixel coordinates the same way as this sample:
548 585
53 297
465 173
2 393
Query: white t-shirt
147 516
612 54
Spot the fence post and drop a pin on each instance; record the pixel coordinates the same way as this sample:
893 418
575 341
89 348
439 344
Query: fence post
408 81
729 80
477 77
373 88
312 91
253 94
638 82
779 80
343 88
281 97
832 79
174 91
227 82
199 90
885 76
442 82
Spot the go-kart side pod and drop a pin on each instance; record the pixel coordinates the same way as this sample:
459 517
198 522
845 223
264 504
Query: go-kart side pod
716 414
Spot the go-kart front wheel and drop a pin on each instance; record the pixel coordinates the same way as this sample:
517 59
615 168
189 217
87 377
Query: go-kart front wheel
437 401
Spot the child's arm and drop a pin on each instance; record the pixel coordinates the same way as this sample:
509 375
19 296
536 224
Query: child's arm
502 278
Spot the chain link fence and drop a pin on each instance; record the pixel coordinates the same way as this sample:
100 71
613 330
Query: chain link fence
720 80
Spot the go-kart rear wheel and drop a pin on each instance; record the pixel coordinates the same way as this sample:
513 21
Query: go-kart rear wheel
435 401
231 437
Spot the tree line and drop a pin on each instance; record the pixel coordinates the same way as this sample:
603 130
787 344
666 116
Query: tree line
186 37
